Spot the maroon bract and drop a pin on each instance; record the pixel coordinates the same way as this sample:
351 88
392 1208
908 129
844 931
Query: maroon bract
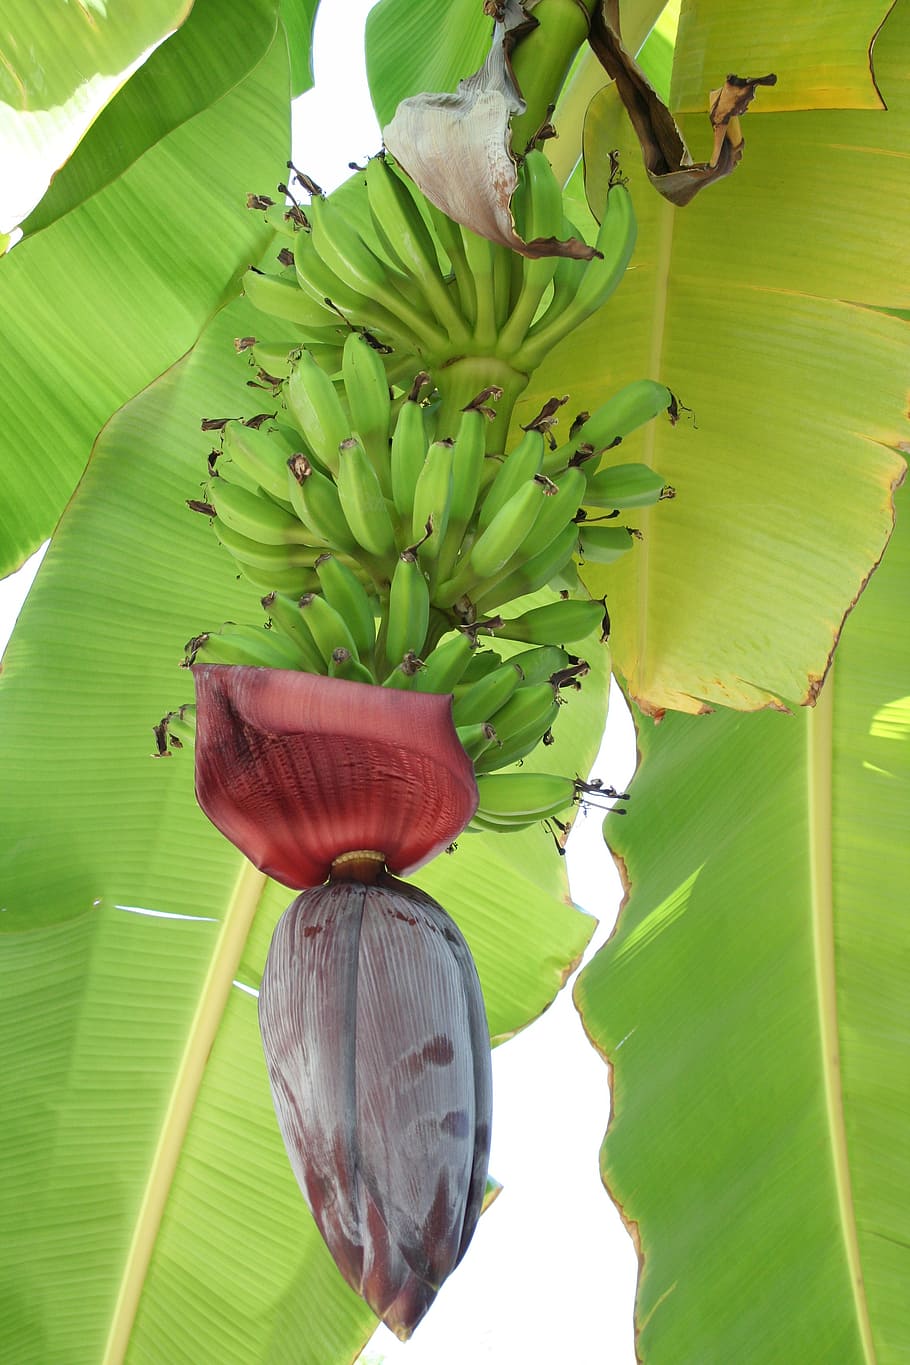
378 1052
297 770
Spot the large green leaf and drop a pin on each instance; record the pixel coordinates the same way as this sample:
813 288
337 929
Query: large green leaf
59 65
144 1168
221 41
755 304
753 1004
416 45
111 294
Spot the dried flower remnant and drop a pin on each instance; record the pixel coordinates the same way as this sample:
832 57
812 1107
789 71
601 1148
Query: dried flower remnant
377 1047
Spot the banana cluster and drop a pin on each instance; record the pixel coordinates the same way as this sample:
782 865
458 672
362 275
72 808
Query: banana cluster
381 256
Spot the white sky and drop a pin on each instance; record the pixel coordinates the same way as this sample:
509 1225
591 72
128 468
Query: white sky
550 1275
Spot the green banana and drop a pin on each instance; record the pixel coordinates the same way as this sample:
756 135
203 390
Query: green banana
481 662
543 217
363 503
512 525
446 665
292 582
624 412
623 486
517 800
405 675
286 615
255 516
521 724
541 663
317 411
409 610
367 389
483 698
176 730
329 630
535 573
565 621
567 277
408 451
261 454
603 544
250 645
476 739
520 464
343 590
266 558
432 501
343 664
281 297
315 499
468 457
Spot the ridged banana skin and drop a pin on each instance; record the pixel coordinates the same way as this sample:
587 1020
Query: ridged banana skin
432 500
445 665
603 544
251 645
369 400
363 502
285 614
409 610
520 465
558 509
267 558
624 412
317 411
408 452
565 622
623 486
484 698
535 573
255 516
328 629
314 498
521 725
261 454
468 458
343 590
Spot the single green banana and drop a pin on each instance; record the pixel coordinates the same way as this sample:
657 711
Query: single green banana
521 724
409 243
363 503
329 630
565 621
512 526
404 677
343 664
324 287
541 663
367 389
280 296
521 799
317 411
468 457
432 501
408 452
533 574
543 217
481 662
624 412
261 453
520 465
483 698
409 610
445 665
623 486
603 544
615 243
315 500
251 645
567 277
256 554
255 516
285 613
344 591
476 739
292 582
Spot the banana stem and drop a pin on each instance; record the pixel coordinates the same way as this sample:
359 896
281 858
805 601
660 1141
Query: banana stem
479 257
462 380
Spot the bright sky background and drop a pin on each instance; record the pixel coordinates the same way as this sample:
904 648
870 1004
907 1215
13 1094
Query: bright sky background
550 1274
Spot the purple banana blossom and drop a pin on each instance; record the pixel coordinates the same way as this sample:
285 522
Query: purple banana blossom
378 1054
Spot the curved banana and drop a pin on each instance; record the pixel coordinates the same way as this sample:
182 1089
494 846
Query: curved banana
329 630
343 664
315 500
366 387
565 621
542 662
266 558
251 645
484 698
521 724
603 544
285 613
409 450
513 525
363 503
446 665
517 800
535 573
261 454
343 590
625 485
468 457
291 582
520 464
255 516
409 610
432 501
280 296
543 218
317 411
476 739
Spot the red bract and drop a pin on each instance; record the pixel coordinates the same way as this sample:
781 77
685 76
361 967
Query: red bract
298 769
378 1053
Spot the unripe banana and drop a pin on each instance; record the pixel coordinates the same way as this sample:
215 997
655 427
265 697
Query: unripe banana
343 664
446 665
567 277
317 411
405 675
262 454
267 558
255 516
624 486
477 739
543 218
603 544
484 698
280 296
521 724
541 663
291 582
481 662
328 629
286 615
624 412
367 389
519 466
315 500
565 621
409 450
343 590
250 645
516 800
468 456
512 525
535 573
363 502
409 610
432 501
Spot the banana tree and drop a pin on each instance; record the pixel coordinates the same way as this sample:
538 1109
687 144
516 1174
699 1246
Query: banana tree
750 1002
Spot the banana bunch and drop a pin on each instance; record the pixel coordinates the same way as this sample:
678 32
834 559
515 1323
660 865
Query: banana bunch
379 255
